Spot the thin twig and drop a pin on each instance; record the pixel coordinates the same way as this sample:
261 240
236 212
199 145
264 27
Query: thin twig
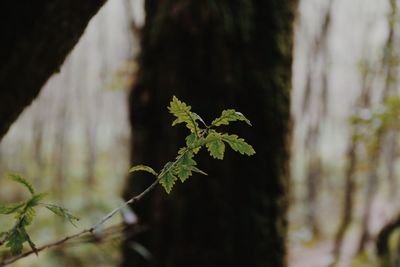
140 196
84 231
18 224
50 245
130 201
114 228
100 222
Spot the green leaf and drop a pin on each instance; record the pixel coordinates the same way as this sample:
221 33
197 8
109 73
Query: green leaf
167 167
57 210
215 146
12 208
191 140
195 169
185 166
19 179
228 116
183 115
143 168
15 241
238 144
184 172
62 212
194 143
29 240
27 216
35 199
168 180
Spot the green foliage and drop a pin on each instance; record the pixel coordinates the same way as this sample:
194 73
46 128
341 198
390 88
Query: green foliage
181 169
183 115
194 143
15 241
24 213
184 165
168 181
238 144
228 116
215 145
166 177
143 168
22 181
62 212
12 208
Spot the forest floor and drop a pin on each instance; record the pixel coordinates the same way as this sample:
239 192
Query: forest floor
306 251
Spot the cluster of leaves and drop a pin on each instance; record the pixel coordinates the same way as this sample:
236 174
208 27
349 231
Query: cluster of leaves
201 135
24 213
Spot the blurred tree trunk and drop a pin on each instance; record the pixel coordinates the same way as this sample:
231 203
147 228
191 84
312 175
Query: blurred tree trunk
38 147
314 116
313 179
37 36
389 89
348 205
214 55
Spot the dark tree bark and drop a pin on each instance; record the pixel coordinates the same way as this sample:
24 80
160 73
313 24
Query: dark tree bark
36 38
214 55
388 254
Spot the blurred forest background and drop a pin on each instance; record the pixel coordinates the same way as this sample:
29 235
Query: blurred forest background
73 141
78 131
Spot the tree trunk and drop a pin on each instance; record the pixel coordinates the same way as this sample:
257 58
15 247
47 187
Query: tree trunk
37 36
214 55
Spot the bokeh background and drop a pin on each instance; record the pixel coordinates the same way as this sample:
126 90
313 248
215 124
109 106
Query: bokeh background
73 141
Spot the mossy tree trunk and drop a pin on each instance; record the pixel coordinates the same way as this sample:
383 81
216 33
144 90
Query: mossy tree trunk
214 55
36 38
